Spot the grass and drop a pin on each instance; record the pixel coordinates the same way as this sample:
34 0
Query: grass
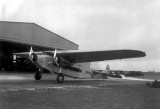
108 94
136 96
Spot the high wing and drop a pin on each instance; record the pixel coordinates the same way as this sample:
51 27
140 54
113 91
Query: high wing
76 56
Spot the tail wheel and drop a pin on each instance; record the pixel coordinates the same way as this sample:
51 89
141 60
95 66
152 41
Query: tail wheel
37 75
60 78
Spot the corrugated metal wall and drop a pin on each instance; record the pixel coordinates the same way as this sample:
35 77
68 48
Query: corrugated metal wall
30 33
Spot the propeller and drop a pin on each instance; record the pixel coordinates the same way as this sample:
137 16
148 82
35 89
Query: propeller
30 54
32 57
55 59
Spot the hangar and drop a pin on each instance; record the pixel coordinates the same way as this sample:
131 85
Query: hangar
20 36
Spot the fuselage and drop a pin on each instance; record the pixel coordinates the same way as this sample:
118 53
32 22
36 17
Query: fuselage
75 70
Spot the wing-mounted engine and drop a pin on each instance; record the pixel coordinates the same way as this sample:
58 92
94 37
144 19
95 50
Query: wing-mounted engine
60 61
33 57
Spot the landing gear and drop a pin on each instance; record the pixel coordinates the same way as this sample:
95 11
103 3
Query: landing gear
60 78
37 75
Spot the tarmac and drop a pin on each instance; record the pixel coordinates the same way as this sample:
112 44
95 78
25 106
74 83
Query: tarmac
23 81
17 88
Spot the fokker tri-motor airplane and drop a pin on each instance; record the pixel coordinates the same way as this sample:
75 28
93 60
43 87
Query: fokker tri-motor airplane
70 62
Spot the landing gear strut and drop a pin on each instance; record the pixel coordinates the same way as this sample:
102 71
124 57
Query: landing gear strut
60 78
37 75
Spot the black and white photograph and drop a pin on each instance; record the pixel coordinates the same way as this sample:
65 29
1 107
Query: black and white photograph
79 54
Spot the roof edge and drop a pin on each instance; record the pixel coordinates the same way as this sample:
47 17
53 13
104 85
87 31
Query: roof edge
40 27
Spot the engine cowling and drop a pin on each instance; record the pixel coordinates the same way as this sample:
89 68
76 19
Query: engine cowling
34 57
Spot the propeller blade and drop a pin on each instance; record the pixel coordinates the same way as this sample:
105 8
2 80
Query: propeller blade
55 59
55 52
31 51
26 60
57 63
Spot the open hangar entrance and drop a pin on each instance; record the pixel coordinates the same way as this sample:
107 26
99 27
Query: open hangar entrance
20 36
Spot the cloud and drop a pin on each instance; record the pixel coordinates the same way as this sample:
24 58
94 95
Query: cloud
8 8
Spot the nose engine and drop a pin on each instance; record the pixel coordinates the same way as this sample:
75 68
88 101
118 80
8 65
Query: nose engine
34 57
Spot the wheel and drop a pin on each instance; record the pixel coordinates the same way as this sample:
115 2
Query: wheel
37 75
60 78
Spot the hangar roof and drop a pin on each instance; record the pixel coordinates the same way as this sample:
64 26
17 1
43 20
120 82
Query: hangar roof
33 34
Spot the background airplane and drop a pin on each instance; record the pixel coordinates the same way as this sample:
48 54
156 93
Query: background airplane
103 74
73 63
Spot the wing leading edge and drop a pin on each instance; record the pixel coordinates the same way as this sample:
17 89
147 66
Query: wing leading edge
76 56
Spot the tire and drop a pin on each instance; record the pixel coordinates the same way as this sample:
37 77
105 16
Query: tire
60 78
37 75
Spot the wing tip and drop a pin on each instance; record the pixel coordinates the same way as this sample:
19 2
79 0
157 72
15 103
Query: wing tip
141 53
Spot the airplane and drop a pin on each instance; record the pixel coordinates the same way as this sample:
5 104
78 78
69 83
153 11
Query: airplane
71 62
106 73
111 74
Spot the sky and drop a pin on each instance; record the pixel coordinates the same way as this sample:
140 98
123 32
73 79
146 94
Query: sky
97 25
